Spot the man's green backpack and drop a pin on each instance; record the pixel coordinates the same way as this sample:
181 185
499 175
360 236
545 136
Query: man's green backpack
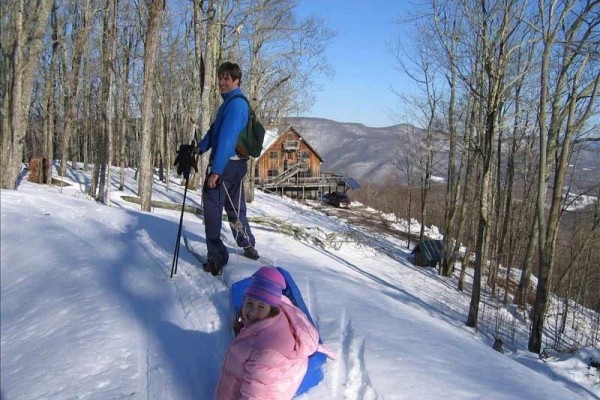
251 137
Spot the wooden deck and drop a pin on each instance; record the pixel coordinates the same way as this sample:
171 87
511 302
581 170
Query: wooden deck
302 187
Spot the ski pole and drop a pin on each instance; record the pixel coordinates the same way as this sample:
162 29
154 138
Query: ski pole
178 243
186 160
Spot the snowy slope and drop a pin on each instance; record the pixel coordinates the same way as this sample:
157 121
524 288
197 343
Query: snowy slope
88 309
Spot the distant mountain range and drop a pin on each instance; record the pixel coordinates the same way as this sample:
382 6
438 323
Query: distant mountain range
376 154
358 151
354 150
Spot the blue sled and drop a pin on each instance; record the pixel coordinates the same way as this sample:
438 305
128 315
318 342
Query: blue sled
314 373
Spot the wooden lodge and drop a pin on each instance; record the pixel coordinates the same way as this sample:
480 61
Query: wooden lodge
291 166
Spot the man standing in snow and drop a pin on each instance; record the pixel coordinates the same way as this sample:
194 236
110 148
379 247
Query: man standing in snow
226 170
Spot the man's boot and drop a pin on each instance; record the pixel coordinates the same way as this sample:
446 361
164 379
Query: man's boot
250 252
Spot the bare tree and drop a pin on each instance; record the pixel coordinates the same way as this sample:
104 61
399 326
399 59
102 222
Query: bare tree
155 12
418 65
81 31
494 28
529 176
519 106
467 196
109 39
408 165
22 42
207 68
568 99
124 64
448 33
51 83
513 215
282 55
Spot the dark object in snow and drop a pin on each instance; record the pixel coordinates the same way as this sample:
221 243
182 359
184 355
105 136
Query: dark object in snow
594 364
498 345
428 252
314 372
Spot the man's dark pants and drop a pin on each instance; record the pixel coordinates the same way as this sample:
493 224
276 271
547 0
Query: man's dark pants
214 200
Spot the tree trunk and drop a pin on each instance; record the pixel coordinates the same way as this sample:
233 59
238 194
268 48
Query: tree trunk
480 247
108 55
451 237
124 131
155 11
71 100
529 206
495 52
466 201
572 103
51 79
208 71
28 36
425 185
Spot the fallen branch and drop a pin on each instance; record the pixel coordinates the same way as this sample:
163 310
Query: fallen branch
165 204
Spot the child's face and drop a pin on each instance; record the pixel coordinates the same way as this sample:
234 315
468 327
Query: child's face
254 310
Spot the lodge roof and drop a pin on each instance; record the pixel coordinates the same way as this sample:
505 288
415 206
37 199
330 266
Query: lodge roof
274 132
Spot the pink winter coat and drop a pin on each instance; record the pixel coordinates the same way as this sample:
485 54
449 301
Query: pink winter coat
268 359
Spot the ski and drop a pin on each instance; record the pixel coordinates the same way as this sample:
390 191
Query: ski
200 255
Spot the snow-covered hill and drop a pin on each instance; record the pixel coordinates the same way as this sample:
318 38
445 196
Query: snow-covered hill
88 310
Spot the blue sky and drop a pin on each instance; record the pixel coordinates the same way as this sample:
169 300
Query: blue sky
365 72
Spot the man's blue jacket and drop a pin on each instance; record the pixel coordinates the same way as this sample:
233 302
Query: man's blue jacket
223 133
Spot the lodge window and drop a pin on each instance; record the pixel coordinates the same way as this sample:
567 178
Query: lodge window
273 155
272 172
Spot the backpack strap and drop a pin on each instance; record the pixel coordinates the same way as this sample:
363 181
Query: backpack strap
238 149
237 96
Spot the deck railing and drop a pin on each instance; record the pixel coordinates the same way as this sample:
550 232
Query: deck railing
298 181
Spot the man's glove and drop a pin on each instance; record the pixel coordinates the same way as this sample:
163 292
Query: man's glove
185 160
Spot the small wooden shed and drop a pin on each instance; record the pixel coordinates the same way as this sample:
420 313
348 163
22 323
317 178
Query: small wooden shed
428 252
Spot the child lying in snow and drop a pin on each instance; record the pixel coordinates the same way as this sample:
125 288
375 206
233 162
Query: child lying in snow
269 356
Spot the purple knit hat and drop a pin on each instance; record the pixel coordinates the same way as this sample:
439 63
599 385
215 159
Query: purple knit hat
266 285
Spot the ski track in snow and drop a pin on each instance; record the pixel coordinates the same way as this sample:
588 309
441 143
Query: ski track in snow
311 303
349 372
357 385
190 286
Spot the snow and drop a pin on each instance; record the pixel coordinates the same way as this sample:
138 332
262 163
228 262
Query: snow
89 311
578 202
